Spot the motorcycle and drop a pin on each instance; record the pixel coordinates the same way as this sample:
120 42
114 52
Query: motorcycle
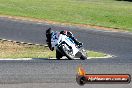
64 46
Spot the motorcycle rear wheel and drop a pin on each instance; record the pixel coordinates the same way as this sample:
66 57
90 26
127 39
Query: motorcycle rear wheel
58 55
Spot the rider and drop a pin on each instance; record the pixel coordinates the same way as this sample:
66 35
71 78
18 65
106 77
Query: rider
68 34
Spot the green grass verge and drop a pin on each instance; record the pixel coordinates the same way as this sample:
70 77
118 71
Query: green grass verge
13 50
107 13
95 54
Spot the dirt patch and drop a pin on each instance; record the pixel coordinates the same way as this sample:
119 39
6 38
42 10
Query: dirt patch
61 23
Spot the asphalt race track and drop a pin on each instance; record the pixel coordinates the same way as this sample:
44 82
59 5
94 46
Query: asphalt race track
45 73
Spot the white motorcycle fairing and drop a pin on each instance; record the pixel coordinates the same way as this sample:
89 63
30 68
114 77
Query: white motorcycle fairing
57 39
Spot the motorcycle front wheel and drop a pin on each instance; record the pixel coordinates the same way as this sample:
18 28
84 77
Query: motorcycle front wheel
66 52
83 57
84 54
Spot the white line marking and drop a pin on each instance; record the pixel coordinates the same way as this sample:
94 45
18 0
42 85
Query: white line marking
64 58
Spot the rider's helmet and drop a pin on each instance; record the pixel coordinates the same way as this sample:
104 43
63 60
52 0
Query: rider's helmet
68 33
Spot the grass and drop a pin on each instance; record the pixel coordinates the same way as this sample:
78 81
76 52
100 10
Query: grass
107 13
95 54
14 50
